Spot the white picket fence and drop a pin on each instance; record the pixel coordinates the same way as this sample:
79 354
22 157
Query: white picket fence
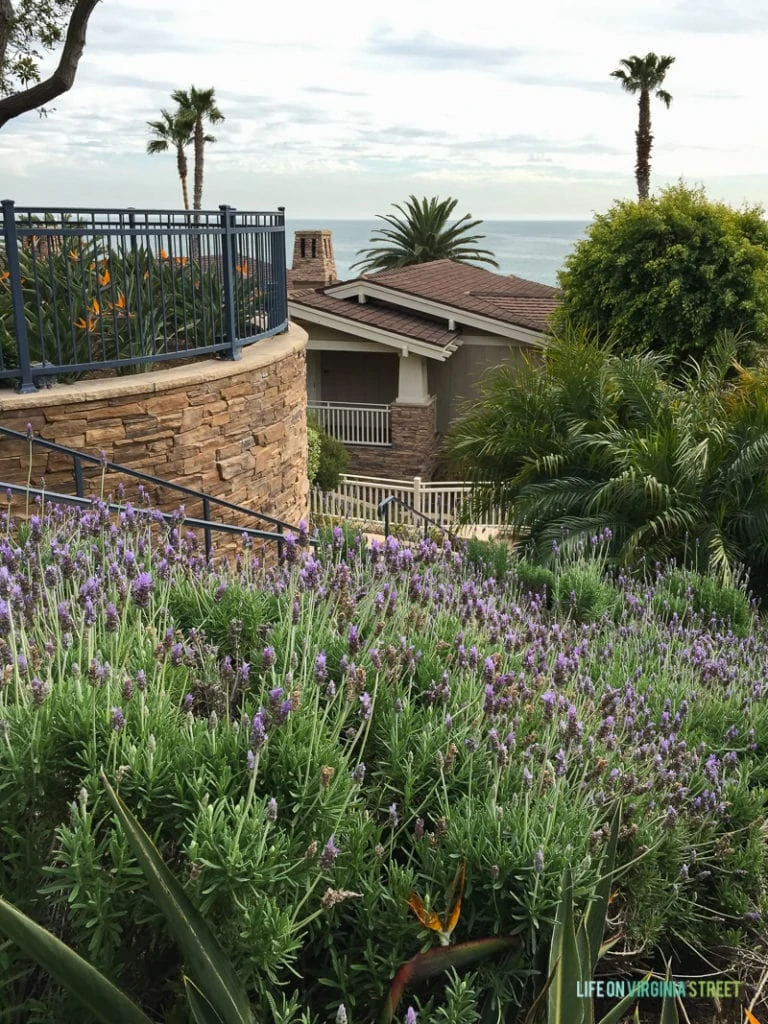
354 424
358 497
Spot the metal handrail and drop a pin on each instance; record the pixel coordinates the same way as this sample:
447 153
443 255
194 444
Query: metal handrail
207 524
383 508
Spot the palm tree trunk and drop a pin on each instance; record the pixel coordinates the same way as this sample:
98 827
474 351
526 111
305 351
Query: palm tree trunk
199 146
644 141
181 164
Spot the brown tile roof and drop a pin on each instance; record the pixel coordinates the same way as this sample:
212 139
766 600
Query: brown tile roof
397 321
474 290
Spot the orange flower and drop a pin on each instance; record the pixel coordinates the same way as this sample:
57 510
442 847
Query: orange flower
242 269
95 307
4 276
146 275
163 254
74 256
120 304
428 918
89 325
181 260
104 279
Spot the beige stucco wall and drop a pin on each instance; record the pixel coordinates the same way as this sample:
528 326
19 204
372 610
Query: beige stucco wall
457 380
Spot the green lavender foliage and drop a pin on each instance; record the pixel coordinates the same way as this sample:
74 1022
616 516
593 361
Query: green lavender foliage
122 650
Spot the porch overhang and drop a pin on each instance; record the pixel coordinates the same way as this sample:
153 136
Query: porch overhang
394 342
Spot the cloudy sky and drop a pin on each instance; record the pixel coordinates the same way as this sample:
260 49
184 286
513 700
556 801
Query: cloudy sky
337 109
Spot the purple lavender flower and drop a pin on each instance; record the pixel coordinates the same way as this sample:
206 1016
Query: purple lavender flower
341 1014
366 705
118 719
538 861
394 817
359 774
259 730
268 657
141 588
251 761
418 829
328 857
410 1016
321 667
272 810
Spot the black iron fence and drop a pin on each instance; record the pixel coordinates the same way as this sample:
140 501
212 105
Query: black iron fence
88 290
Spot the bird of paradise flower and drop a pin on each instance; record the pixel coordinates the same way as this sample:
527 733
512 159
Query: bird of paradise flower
444 956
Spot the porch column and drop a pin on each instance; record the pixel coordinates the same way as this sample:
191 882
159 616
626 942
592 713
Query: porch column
413 422
412 387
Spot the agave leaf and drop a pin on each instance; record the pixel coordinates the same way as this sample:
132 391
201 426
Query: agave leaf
585 960
437 960
532 1014
594 919
669 1003
97 994
563 1006
205 960
200 1008
620 1009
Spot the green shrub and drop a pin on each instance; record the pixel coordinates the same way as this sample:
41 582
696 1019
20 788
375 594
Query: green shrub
535 580
581 591
314 451
685 593
334 459
670 273
491 557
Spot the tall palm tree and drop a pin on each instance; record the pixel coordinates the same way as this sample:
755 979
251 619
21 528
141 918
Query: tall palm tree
172 132
644 75
195 108
422 234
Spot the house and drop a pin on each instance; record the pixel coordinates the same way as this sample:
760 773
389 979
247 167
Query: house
394 355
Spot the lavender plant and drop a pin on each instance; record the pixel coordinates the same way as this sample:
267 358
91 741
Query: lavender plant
309 745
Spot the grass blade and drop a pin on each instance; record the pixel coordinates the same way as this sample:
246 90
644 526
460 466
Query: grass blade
203 956
200 1008
96 993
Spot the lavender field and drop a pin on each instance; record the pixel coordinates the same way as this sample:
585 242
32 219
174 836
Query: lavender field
311 745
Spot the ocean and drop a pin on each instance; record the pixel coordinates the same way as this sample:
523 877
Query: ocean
533 249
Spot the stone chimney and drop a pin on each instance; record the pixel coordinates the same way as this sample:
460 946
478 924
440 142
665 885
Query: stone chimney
313 264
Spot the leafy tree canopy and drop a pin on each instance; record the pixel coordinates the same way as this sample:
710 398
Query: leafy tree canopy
422 233
669 273
28 30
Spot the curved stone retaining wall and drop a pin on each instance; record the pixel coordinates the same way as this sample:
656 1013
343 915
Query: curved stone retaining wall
236 430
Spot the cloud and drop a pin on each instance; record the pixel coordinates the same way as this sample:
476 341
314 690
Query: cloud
428 52
717 16
323 91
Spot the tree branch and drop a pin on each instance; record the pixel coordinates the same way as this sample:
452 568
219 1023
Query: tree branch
63 77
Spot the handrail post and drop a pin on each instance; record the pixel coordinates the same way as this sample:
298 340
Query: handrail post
27 384
78 469
279 290
228 278
207 530
279 532
386 519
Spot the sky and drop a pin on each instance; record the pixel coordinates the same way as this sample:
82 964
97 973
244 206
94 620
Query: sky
338 109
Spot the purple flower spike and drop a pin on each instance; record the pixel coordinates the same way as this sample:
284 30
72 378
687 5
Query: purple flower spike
321 669
328 857
394 817
538 861
118 719
141 588
410 1016
272 810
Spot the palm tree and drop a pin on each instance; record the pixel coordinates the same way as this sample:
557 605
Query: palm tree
196 107
592 439
644 75
172 132
422 234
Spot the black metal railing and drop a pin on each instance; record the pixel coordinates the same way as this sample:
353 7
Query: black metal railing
88 290
383 507
207 501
